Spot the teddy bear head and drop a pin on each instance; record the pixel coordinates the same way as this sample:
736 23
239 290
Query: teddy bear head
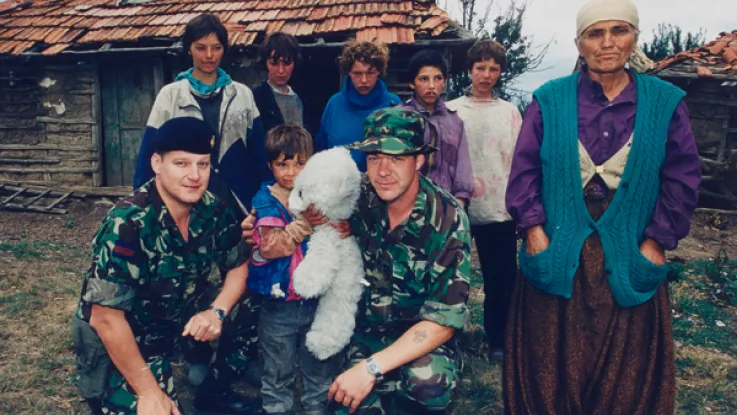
331 181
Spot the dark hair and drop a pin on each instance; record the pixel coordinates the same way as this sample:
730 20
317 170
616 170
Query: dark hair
487 49
202 26
427 57
290 139
282 46
375 54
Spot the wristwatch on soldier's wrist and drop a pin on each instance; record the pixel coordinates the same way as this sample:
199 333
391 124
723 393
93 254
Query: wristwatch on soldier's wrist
219 312
372 366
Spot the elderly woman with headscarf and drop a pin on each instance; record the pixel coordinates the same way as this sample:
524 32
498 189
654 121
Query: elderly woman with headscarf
604 179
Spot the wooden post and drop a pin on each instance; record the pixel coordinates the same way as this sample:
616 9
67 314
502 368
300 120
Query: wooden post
158 75
97 176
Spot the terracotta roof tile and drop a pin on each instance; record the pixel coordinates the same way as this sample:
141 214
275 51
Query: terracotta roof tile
34 34
224 16
252 16
257 26
305 29
343 23
150 31
160 20
270 15
290 28
359 22
10 33
275 26
439 29
718 57
165 31
72 22
12 4
246 39
21 47
56 35
236 17
179 31
325 26
318 13
366 35
392 18
134 34
373 21
59 47
432 23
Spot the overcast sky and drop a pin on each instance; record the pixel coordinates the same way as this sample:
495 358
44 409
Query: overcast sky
556 19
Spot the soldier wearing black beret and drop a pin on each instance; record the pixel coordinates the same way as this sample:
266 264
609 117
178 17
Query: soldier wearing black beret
186 134
145 290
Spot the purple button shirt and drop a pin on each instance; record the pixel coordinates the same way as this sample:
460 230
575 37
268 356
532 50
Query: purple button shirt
604 127
451 168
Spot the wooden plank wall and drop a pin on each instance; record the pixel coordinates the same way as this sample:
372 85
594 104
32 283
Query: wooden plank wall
49 123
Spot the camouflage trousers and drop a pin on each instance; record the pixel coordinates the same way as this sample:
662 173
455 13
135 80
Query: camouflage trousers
121 399
427 384
237 347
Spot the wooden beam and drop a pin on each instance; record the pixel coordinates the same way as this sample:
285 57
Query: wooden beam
39 147
13 206
97 136
717 195
40 195
43 190
79 191
64 197
52 120
29 161
711 162
719 211
11 197
725 102
667 73
47 170
82 92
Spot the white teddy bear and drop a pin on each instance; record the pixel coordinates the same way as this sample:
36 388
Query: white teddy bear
332 268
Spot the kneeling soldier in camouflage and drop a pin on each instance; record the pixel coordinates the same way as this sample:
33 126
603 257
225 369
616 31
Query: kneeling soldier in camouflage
151 260
416 243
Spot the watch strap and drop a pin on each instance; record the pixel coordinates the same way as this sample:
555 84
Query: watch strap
219 312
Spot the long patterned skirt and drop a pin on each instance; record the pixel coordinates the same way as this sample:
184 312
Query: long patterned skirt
588 355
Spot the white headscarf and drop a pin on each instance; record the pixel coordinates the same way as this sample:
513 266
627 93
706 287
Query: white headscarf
600 10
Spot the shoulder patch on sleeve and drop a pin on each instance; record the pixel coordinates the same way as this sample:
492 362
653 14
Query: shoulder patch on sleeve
124 250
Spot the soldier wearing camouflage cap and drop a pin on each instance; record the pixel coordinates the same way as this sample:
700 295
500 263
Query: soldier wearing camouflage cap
415 240
151 260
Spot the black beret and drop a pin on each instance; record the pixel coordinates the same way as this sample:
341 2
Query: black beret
185 134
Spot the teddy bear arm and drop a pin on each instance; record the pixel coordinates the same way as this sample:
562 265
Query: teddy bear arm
315 274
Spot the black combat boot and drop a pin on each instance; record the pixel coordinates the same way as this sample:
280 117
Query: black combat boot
217 398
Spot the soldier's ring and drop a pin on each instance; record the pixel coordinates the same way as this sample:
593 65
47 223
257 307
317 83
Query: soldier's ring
347 401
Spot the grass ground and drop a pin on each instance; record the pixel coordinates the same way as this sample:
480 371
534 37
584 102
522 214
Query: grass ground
41 271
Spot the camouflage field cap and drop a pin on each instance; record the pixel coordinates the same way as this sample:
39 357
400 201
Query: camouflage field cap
394 131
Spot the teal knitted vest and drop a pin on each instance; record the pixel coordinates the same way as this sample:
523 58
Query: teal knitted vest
632 277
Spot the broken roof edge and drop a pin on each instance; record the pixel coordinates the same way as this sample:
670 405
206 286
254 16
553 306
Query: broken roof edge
673 73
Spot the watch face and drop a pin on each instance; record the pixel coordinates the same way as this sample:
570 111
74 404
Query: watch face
373 367
220 313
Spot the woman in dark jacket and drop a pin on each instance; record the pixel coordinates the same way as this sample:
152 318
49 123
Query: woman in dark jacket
276 101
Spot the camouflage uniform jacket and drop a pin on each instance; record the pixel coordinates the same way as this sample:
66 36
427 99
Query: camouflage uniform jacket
419 270
142 265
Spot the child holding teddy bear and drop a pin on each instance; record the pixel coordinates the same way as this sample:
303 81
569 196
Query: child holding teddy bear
285 317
